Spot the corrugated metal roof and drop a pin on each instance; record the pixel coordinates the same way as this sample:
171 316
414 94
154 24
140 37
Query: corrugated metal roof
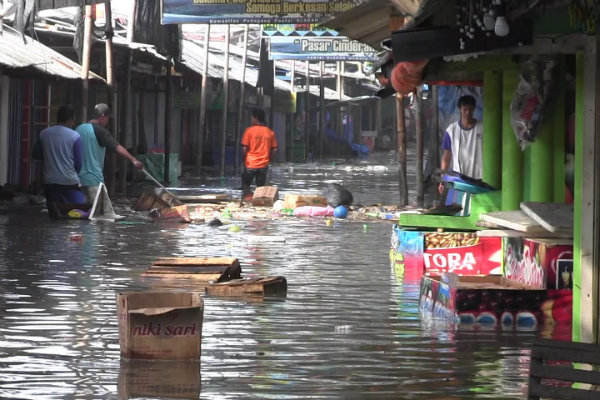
33 55
193 58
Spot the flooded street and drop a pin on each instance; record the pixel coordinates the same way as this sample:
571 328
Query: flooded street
348 328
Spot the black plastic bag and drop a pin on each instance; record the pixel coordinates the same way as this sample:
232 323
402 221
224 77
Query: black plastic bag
337 195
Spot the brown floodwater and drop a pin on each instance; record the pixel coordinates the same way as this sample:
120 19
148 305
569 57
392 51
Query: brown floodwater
349 327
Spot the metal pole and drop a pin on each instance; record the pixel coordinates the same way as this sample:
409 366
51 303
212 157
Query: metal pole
401 131
166 177
242 95
202 122
225 103
321 110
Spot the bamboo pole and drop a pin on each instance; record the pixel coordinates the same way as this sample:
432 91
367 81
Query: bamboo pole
241 126
167 165
85 62
401 154
202 118
110 173
307 114
225 104
126 117
419 134
321 110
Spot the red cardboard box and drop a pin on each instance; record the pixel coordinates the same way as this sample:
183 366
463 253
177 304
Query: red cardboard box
543 263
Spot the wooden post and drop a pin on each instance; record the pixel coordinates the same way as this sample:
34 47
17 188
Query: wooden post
434 142
307 114
492 126
126 116
241 127
85 62
419 134
225 104
512 156
586 241
202 118
401 155
340 80
166 177
111 162
321 110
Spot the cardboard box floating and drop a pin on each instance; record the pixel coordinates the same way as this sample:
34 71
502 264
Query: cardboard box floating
160 325
265 196
253 287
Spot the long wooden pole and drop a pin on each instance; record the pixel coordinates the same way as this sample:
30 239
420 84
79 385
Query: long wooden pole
321 110
307 113
111 171
166 177
401 155
225 104
126 117
85 62
241 126
202 121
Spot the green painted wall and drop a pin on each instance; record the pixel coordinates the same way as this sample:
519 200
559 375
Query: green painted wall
559 129
492 128
512 156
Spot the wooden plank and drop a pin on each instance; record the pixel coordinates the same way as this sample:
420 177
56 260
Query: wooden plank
565 373
189 261
513 233
203 198
554 217
197 277
516 220
249 287
537 391
209 269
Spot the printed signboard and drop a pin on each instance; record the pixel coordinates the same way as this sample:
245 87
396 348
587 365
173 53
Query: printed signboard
319 49
252 12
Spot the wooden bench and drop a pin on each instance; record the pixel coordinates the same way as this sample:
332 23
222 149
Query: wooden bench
552 372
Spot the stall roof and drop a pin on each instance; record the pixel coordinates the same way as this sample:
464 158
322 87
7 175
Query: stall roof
22 52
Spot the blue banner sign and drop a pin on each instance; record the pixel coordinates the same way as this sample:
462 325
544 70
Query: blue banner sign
319 49
253 11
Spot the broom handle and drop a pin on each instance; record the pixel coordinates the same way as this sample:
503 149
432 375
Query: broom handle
157 182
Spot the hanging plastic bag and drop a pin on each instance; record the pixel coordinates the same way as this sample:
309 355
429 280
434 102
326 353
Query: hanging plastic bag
530 99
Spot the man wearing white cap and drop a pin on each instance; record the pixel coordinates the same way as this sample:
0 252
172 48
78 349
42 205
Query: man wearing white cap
96 139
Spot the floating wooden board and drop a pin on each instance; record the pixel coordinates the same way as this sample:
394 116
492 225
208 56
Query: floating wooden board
204 198
267 286
513 233
149 201
554 217
218 269
516 220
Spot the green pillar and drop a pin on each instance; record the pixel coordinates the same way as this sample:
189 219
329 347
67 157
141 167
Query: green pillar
577 196
559 128
512 156
541 166
492 128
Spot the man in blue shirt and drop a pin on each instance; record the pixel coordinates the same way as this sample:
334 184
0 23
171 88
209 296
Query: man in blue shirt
96 139
60 150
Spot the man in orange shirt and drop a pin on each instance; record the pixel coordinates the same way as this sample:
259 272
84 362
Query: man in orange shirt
258 146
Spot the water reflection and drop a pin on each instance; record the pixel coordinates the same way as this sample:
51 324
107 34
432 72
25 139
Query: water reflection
348 328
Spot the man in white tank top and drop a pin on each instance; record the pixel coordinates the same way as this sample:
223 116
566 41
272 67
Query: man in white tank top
462 142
